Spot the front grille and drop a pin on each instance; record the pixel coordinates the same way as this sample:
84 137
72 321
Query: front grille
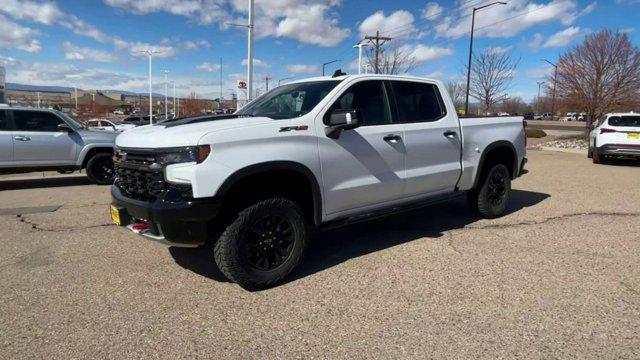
140 184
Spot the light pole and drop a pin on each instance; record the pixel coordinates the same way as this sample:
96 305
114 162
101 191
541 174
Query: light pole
166 94
150 54
553 100
360 46
175 114
249 27
540 83
327 63
473 21
283 79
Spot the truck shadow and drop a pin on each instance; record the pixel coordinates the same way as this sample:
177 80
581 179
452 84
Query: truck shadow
44 183
333 247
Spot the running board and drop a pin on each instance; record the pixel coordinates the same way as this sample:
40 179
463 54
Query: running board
392 210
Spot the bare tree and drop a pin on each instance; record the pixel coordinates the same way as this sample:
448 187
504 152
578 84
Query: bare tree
456 91
392 61
602 73
515 105
193 105
491 76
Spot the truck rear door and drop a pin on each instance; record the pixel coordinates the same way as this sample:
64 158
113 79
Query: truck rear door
6 139
431 136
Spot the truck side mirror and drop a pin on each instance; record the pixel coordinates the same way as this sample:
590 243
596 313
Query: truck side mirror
65 127
341 120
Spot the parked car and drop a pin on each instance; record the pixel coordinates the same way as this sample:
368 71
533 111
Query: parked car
108 125
316 153
49 140
137 119
616 135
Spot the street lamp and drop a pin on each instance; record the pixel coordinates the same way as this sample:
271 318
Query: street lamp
166 94
283 79
150 54
540 83
327 63
175 114
473 21
360 46
553 100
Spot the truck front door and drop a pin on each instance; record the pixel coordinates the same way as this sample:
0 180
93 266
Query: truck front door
364 166
6 140
432 138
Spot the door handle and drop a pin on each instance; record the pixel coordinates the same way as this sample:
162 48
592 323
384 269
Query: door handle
392 138
22 138
450 134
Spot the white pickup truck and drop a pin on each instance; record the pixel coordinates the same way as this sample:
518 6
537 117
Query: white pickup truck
315 153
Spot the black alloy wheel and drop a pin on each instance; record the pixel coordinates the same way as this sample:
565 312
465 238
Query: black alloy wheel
268 242
100 169
497 187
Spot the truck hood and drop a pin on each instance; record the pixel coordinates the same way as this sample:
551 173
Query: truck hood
182 132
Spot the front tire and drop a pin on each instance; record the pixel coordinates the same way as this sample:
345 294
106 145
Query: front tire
100 169
263 244
491 197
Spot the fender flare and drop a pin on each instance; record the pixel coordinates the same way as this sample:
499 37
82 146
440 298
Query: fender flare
487 149
86 149
265 167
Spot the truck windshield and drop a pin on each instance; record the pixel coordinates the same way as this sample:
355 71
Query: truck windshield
626 121
289 101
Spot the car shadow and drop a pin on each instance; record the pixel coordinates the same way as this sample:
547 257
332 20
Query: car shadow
24 184
333 247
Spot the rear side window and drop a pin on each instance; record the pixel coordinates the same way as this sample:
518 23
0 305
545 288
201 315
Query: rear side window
418 102
625 121
36 121
369 99
3 120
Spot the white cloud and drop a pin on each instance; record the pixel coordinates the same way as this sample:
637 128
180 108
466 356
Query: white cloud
208 67
73 52
44 12
399 24
564 37
536 42
301 69
195 45
15 36
308 21
423 53
504 21
539 72
432 11
256 63
499 49
161 51
628 30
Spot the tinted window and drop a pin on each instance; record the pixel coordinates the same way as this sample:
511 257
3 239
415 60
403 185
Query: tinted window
369 99
3 120
418 102
36 121
630 121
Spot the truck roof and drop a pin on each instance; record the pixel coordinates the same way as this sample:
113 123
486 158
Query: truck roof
356 76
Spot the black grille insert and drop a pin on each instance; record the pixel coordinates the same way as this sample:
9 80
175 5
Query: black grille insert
140 184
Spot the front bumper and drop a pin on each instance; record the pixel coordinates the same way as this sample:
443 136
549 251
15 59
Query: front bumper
181 223
619 150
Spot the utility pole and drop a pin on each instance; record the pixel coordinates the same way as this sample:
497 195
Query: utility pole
473 22
150 54
166 94
266 82
377 42
360 46
250 53
555 76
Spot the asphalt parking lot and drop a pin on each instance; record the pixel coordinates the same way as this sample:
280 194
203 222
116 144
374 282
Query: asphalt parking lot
559 277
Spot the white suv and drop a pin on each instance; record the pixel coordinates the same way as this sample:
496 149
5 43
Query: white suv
616 135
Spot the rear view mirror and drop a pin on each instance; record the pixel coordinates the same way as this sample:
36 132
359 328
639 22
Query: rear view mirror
64 127
342 120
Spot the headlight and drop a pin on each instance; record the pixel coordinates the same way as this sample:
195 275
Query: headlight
195 154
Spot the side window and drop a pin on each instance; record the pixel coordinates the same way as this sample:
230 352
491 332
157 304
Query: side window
36 121
418 102
369 98
3 120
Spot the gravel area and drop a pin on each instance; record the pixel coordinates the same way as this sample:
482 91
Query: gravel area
568 143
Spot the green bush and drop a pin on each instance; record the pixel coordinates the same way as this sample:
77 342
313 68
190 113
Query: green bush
535 133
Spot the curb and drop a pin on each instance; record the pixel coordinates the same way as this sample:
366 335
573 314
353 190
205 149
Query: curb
570 151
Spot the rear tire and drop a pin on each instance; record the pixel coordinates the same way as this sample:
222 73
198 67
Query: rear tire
263 243
100 169
596 157
590 153
491 197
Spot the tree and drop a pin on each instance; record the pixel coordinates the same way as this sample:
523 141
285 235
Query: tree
456 91
193 105
391 61
491 76
515 105
600 75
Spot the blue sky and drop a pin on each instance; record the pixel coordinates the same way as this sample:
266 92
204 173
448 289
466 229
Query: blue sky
97 43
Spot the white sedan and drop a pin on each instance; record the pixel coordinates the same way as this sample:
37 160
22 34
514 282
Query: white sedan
108 125
616 135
